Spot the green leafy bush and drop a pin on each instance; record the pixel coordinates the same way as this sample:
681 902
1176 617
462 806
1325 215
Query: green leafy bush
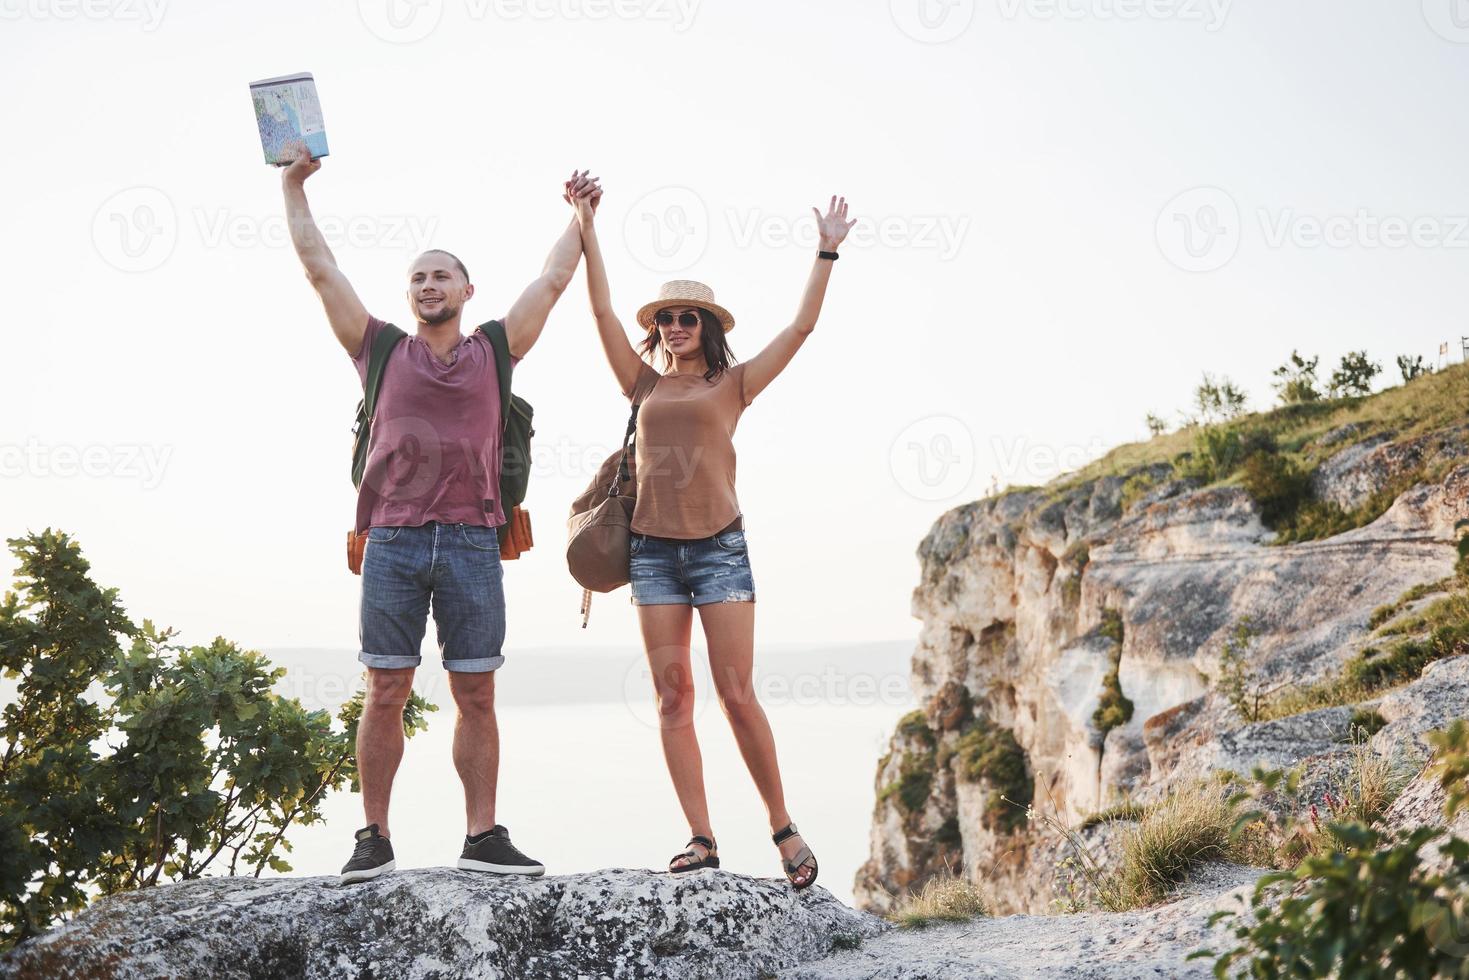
185 762
1278 486
1295 380
1354 376
1236 680
1412 367
1368 908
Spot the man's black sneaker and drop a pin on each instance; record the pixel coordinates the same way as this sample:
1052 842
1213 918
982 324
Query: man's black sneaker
372 856
492 851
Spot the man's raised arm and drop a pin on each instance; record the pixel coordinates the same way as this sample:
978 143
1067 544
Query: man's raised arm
344 310
527 317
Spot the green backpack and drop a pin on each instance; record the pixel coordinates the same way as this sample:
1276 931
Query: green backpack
515 414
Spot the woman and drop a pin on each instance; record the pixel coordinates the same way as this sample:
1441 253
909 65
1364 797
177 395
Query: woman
688 546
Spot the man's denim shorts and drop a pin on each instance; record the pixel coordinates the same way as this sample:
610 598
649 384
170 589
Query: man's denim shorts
457 567
665 571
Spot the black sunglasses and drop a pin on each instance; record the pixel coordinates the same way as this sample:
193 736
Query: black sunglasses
687 319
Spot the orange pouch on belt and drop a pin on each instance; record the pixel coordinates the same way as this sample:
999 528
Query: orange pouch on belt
515 536
356 545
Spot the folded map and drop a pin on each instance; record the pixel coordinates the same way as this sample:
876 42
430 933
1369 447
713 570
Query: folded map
288 111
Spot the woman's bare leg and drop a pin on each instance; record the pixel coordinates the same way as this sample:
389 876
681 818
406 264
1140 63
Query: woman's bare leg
666 633
729 629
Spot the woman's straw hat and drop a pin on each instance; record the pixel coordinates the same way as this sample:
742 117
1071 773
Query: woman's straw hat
685 292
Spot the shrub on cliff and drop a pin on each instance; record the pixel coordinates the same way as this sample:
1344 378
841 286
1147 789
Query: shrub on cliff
126 765
990 753
1113 707
945 897
916 768
1368 908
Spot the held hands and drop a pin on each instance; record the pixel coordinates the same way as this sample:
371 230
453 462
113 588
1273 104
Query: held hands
300 168
833 226
583 193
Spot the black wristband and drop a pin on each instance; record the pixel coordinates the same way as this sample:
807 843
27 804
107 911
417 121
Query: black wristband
828 255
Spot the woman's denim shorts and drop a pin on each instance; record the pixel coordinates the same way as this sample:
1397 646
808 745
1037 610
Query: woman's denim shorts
666 571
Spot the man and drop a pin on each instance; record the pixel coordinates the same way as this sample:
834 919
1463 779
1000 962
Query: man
429 505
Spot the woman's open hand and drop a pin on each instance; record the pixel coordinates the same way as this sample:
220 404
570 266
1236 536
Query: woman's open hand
833 226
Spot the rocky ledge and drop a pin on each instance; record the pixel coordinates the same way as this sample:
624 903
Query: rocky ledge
445 924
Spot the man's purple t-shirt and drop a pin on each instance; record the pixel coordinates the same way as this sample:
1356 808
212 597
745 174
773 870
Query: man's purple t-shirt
435 450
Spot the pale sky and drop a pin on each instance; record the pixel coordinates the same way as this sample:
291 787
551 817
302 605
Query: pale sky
1071 209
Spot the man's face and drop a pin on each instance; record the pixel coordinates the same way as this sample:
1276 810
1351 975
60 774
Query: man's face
437 289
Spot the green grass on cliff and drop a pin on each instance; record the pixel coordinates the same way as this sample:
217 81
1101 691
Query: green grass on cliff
1425 404
1273 453
945 897
1439 631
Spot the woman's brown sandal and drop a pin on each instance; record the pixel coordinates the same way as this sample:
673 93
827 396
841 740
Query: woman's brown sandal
803 857
709 860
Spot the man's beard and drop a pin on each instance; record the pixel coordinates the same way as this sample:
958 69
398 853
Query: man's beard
444 313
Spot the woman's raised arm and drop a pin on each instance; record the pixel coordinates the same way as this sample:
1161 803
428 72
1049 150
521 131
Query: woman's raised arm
761 369
624 360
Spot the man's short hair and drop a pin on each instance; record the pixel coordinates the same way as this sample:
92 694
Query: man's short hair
454 258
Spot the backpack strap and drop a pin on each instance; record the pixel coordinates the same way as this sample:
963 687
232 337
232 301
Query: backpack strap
494 331
382 345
